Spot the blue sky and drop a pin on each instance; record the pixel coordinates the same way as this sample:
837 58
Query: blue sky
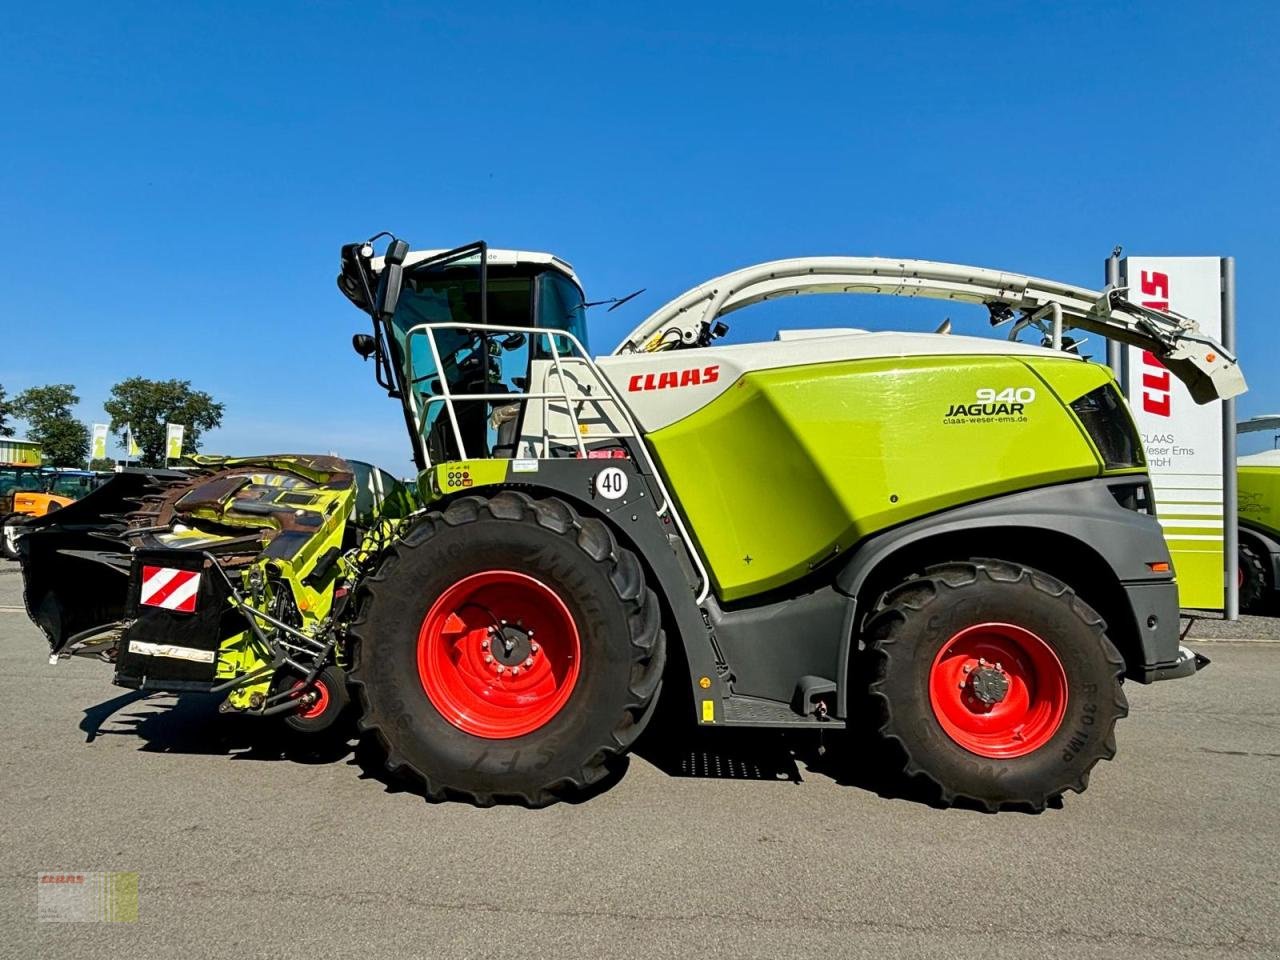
176 179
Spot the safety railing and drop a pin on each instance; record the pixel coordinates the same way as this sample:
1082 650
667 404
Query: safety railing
448 399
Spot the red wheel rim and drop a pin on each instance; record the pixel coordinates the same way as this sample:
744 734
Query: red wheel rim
998 690
317 706
498 654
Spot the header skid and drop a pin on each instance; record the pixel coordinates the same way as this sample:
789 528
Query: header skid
1209 370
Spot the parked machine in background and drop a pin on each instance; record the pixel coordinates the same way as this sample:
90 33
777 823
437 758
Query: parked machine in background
31 491
1258 483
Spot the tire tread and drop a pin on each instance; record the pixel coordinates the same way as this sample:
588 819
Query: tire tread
917 593
626 576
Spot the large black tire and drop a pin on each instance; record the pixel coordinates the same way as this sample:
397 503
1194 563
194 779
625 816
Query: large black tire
1255 585
602 587
919 618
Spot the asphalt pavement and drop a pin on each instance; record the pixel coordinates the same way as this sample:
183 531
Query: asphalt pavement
722 847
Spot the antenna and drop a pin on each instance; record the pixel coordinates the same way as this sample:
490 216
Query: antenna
616 301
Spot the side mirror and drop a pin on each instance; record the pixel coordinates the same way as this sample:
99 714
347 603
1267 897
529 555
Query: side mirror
393 275
393 278
397 250
364 345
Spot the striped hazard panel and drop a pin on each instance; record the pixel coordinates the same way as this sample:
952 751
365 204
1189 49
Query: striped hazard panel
169 588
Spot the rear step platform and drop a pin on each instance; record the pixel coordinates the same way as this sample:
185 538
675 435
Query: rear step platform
742 711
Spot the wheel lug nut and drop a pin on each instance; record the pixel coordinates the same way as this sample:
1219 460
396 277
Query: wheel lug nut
488 658
528 661
533 647
968 668
484 644
501 668
515 671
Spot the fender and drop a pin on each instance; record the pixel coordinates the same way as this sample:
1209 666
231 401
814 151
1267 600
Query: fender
1088 512
635 524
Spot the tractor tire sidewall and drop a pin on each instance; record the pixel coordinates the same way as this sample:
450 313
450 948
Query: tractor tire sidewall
909 639
569 749
1254 583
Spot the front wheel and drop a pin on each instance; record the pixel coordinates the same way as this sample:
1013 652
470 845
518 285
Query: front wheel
507 649
994 682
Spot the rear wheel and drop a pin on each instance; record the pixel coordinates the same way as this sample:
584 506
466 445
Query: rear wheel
1252 579
995 682
508 649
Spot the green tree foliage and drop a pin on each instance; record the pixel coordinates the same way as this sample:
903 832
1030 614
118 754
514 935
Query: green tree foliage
64 440
6 411
147 405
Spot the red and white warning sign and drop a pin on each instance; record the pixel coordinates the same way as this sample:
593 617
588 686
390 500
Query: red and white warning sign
169 588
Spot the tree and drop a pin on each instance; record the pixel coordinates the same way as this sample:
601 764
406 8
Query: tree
147 405
64 440
6 411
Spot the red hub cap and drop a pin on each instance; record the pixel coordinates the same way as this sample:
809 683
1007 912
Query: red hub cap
498 654
998 690
317 706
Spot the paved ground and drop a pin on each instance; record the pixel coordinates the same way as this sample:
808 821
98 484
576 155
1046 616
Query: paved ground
1173 852
1209 625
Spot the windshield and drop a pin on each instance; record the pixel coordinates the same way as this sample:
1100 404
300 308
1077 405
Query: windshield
19 480
560 305
71 485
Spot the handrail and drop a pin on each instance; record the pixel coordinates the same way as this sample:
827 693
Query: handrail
448 398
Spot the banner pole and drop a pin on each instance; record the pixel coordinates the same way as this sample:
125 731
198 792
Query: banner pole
1230 528
1114 349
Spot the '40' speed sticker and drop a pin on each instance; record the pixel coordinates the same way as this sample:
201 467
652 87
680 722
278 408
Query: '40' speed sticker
611 483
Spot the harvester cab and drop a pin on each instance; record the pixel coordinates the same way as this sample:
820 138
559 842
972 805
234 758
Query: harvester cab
952 536
461 336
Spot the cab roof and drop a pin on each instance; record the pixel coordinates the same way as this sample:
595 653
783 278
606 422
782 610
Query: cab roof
496 257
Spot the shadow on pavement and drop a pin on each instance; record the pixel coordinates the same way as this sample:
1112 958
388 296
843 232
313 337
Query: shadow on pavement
370 759
849 758
192 725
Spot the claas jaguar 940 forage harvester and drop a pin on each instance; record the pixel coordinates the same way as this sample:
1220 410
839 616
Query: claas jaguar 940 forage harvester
954 537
